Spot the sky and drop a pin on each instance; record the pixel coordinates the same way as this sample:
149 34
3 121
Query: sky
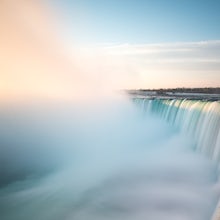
148 43
142 21
60 48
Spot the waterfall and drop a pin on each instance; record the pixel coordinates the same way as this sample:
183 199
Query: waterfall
197 118
100 160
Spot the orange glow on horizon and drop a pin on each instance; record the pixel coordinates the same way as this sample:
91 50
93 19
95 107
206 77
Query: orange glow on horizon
32 60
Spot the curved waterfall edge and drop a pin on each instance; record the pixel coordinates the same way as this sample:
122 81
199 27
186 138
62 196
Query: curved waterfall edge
197 118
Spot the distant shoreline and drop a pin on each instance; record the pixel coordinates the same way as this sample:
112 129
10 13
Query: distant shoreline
208 90
208 94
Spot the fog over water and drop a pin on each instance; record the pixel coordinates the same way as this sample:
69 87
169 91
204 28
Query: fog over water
99 160
95 158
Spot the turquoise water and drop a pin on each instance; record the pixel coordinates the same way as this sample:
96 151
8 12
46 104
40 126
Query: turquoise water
199 119
106 159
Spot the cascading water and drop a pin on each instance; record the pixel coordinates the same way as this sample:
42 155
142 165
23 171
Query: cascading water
199 119
101 160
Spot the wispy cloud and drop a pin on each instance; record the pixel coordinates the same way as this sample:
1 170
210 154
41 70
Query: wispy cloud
204 49
162 65
34 60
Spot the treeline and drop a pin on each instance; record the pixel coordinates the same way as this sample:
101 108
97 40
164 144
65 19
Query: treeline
185 90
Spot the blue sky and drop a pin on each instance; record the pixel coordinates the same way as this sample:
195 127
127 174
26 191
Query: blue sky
141 21
66 47
145 43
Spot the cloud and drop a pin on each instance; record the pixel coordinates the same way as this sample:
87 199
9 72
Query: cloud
205 50
193 64
35 62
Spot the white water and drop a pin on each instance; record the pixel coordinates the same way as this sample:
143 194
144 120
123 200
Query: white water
199 119
100 160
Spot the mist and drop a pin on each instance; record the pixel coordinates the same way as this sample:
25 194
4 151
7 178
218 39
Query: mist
70 148
99 160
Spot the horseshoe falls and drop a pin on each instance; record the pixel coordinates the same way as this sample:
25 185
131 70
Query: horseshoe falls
116 158
199 119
